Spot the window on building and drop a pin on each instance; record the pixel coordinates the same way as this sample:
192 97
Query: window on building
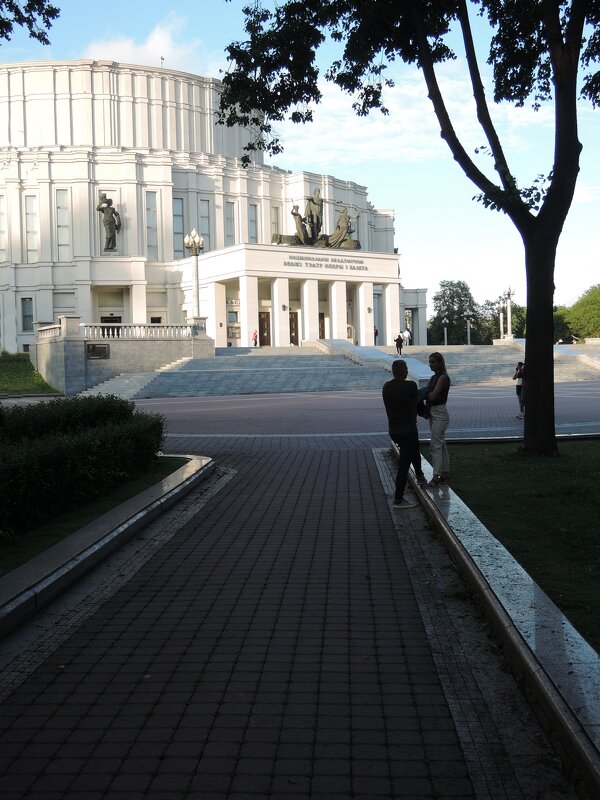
151 227
204 209
253 223
31 229
63 226
232 316
275 220
229 224
178 234
27 313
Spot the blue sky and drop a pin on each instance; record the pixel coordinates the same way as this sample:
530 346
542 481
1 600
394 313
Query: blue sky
441 233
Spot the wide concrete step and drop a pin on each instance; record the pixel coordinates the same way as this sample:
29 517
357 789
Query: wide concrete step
266 375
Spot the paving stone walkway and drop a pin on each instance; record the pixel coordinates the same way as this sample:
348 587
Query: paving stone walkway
294 638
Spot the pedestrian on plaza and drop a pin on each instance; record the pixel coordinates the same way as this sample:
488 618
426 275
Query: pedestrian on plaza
436 397
518 377
376 332
398 343
400 400
406 335
255 338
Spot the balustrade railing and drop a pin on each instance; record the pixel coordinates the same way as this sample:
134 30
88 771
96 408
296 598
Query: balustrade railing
139 331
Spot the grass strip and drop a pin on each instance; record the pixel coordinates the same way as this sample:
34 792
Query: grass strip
546 512
17 551
17 376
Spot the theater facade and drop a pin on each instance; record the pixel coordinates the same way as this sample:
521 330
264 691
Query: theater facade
104 170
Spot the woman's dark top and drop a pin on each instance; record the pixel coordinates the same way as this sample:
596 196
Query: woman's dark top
443 397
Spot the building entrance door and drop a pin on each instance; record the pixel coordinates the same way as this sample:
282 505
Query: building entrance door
321 325
111 326
264 328
294 328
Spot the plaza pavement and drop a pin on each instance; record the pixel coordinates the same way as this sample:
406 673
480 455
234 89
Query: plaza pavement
280 632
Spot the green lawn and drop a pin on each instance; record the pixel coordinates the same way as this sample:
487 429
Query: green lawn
18 551
546 512
17 376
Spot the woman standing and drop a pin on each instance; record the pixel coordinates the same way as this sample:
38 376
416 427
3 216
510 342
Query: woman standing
437 395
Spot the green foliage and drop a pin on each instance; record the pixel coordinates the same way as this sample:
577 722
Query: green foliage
455 304
56 454
541 510
584 316
17 376
35 15
562 330
66 415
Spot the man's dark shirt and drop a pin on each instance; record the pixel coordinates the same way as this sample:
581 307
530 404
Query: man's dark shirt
400 399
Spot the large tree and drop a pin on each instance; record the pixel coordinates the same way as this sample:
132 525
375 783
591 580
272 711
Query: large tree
453 305
35 15
539 50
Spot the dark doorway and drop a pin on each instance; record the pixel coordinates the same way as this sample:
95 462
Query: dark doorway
111 326
264 328
294 328
321 325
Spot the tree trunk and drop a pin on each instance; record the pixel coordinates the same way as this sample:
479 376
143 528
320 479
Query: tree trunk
540 255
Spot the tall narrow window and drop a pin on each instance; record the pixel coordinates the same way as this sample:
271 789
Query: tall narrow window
31 229
229 224
275 223
253 223
151 227
3 233
204 221
178 234
27 313
63 228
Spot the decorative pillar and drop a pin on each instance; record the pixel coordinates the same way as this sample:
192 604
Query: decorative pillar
310 310
338 309
137 300
216 312
280 309
366 326
248 309
391 314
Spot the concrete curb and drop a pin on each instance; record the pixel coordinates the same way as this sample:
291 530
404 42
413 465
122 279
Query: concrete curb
27 589
575 741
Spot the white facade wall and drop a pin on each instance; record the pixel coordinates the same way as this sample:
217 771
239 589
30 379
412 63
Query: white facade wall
146 137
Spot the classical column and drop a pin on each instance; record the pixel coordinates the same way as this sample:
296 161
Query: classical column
337 309
280 309
137 300
216 313
366 331
248 309
391 314
310 310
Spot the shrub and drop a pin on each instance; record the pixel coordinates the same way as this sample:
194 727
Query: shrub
62 415
43 477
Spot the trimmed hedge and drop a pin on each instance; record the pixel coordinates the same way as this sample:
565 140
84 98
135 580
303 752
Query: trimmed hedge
67 415
45 476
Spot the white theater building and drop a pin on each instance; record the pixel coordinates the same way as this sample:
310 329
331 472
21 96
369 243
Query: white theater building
146 138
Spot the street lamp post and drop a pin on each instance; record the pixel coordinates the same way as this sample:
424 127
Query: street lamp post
194 243
468 331
445 324
510 293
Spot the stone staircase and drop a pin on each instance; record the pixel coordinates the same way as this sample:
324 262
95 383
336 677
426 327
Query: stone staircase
496 365
270 370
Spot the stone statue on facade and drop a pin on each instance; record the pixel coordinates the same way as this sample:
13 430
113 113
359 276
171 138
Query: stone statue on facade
313 215
309 228
111 220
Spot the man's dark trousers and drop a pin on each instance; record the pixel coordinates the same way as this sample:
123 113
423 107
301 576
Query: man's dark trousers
409 454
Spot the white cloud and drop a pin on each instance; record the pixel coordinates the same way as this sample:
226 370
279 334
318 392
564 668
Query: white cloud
170 40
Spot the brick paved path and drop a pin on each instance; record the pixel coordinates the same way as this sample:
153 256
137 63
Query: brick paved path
273 648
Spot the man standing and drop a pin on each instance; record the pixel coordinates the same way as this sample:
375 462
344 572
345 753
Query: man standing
400 399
